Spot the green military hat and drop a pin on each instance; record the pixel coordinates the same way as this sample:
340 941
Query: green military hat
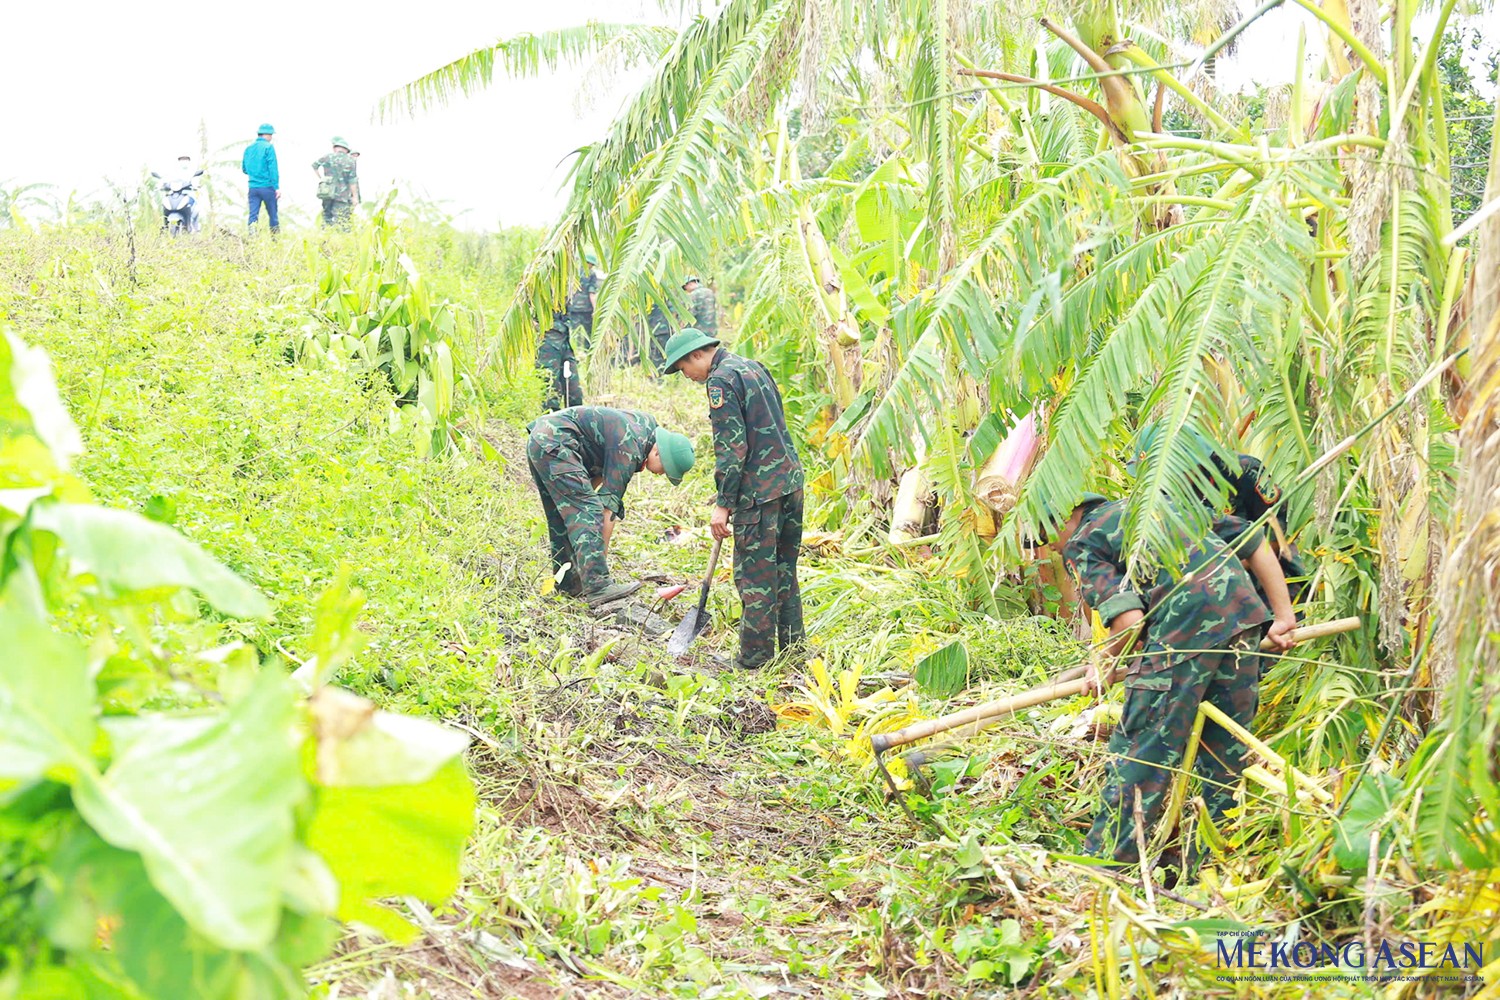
676 454
1058 514
265 130
682 344
589 258
690 279
339 140
1146 440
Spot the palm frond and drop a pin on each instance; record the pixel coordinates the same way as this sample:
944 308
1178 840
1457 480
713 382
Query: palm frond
627 45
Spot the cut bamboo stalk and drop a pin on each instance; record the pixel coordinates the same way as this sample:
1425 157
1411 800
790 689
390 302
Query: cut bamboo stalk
992 711
1246 737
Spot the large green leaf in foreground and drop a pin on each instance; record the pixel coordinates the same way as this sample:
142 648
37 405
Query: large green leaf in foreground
209 807
126 552
46 698
395 840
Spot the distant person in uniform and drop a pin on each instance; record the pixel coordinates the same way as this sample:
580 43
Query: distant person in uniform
554 355
259 165
338 183
659 331
581 302
705 306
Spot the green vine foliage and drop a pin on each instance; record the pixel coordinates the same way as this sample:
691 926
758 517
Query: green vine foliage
207 845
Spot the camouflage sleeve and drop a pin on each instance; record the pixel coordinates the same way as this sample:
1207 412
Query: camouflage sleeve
1102 582
1238 535
617 476
320 162
726 413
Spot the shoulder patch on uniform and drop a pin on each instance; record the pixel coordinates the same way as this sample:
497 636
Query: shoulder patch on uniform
716 396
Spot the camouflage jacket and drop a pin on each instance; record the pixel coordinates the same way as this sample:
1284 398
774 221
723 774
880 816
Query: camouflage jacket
611 444
754 458
342 170
1201 608
580 305
658 322
705 310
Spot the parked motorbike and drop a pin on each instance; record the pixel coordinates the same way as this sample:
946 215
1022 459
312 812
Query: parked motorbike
179 203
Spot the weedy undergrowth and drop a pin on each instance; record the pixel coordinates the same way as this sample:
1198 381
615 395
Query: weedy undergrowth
236 818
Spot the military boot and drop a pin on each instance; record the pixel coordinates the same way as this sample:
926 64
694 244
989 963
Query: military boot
612 593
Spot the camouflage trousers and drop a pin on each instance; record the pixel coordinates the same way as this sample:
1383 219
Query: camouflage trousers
767 539
1152 736
554 355
575 515
338 213
582 326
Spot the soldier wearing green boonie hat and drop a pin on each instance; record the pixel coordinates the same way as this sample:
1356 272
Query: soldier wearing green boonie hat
338 183
1196 625
568 452
704 305
1251 492
759 479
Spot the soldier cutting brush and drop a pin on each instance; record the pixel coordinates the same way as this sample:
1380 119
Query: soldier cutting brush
1200 625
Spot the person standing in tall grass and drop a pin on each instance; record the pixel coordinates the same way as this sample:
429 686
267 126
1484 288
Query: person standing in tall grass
259 165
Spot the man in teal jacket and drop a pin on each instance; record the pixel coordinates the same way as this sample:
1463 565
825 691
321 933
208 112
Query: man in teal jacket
259 164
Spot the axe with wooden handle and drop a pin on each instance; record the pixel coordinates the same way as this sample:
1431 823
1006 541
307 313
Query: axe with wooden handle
1067 684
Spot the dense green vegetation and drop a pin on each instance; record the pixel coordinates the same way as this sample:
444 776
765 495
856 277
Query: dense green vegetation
314 449
643 828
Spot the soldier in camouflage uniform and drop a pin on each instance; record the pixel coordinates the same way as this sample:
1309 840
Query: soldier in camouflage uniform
1201 626
1252 494
581 302
659 329
705 306
759 480
572 450
554 355
338 183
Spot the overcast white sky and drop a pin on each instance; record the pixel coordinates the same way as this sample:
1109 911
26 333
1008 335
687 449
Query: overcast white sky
101 88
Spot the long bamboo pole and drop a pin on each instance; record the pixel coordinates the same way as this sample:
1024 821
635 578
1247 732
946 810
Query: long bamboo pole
991 711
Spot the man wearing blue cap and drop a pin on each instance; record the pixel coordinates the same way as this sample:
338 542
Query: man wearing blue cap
259 165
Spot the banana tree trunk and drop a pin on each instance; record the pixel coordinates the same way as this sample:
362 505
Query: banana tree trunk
840 333
909 513
1000 478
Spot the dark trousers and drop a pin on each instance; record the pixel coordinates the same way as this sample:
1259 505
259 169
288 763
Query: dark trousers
554 355
266 197
767 539
337 213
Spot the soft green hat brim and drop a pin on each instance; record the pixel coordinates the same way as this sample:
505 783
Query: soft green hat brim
676 454
1040 535
339 140
1146 440
683 343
